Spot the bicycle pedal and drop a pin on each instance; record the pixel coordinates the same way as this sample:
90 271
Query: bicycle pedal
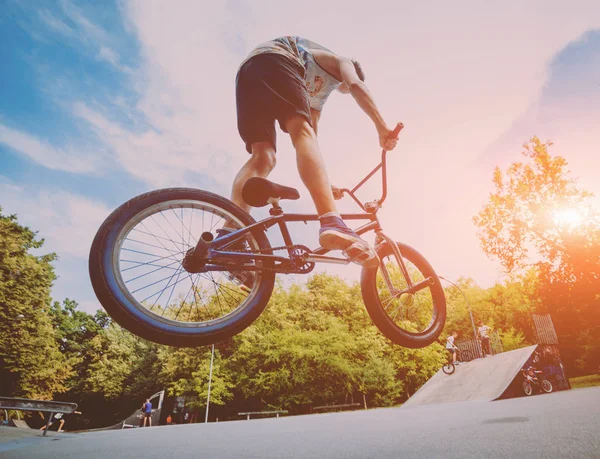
362 254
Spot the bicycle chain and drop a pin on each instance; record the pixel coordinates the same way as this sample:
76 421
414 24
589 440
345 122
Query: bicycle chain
300 270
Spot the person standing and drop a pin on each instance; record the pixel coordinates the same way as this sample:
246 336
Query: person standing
147 411
484 336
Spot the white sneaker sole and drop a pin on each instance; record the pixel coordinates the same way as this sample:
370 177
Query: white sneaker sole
357 250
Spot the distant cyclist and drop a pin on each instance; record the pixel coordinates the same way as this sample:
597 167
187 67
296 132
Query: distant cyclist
289 79
451 346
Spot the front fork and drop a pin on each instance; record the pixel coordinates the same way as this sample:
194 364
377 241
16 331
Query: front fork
382 238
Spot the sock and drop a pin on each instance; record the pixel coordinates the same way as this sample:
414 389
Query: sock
330 214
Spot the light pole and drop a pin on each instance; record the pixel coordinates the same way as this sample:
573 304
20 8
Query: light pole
212 356
468 304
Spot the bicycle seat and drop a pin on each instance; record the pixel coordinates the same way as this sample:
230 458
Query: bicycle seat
257 191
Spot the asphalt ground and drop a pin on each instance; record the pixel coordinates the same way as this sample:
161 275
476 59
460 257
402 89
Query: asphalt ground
559 425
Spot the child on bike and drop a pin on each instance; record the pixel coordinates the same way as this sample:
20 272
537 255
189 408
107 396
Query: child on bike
451 347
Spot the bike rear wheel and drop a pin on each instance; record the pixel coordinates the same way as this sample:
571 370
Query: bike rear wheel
411 319
527 388
546 386
136 271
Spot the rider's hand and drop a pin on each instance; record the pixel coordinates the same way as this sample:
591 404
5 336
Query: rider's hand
337 192
387 138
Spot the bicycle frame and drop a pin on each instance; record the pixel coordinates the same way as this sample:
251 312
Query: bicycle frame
278 217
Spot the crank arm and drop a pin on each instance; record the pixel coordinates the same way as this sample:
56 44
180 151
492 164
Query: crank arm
313 257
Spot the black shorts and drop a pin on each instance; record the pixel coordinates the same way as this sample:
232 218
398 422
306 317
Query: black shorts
269 87
147 415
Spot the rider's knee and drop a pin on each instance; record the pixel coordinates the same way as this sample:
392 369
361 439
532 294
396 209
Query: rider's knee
265 159
299 128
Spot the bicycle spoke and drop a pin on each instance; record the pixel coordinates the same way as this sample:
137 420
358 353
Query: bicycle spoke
171 294
159 241
148 273
154 283
149 254
150 234
182 226
216 291
186 296
163 230
152 245
150 263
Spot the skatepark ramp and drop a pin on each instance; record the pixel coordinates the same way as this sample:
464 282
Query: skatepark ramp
480 379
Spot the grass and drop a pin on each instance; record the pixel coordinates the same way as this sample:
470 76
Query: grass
585 381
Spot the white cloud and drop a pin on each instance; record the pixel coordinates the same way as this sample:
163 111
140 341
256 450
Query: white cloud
458 75
66 221
69 158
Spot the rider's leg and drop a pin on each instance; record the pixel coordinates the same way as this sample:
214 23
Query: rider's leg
334 234
260 164
310 164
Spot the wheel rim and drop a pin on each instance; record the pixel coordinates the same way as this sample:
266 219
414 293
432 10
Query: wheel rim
546 386
413 313
147 266
527 389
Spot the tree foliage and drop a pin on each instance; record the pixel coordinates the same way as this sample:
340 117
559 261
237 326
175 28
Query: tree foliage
538 219
31 364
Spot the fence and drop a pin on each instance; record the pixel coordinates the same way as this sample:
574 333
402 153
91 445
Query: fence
472 348
544 329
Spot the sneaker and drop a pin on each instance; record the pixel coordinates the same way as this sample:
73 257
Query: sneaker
244 279
335 235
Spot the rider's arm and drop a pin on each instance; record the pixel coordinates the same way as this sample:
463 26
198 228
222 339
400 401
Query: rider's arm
343 69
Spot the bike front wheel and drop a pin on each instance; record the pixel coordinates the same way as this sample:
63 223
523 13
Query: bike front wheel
449 368
404 296
137 273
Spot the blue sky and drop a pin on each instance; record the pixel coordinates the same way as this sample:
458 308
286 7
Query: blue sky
101 101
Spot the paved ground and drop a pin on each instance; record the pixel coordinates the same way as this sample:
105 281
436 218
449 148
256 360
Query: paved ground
559 425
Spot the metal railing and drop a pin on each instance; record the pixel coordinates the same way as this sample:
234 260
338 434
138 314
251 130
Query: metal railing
248 414
472 348
51 407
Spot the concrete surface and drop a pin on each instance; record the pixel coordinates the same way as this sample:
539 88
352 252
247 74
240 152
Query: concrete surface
480 379
559 425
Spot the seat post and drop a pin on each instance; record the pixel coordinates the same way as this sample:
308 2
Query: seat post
276 208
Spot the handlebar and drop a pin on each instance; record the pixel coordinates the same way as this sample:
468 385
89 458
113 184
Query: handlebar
397 130
382 165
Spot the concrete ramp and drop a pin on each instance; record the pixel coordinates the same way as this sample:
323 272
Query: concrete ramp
19 423
481 379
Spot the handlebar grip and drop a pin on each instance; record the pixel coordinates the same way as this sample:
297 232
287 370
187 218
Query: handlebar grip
397 130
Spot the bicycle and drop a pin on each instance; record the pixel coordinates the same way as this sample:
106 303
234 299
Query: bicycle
151 235
461 356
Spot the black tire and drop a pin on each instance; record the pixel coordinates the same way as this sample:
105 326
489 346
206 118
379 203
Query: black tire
546 386
449 368
130 314
378 313
527 388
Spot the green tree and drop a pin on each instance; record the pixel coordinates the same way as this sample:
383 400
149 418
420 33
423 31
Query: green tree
31 364
537 218
75 333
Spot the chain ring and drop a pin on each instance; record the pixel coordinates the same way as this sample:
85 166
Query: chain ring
298 259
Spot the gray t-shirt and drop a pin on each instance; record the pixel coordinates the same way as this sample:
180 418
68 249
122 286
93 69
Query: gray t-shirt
319 83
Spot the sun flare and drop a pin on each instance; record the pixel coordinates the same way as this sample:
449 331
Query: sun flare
568 217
